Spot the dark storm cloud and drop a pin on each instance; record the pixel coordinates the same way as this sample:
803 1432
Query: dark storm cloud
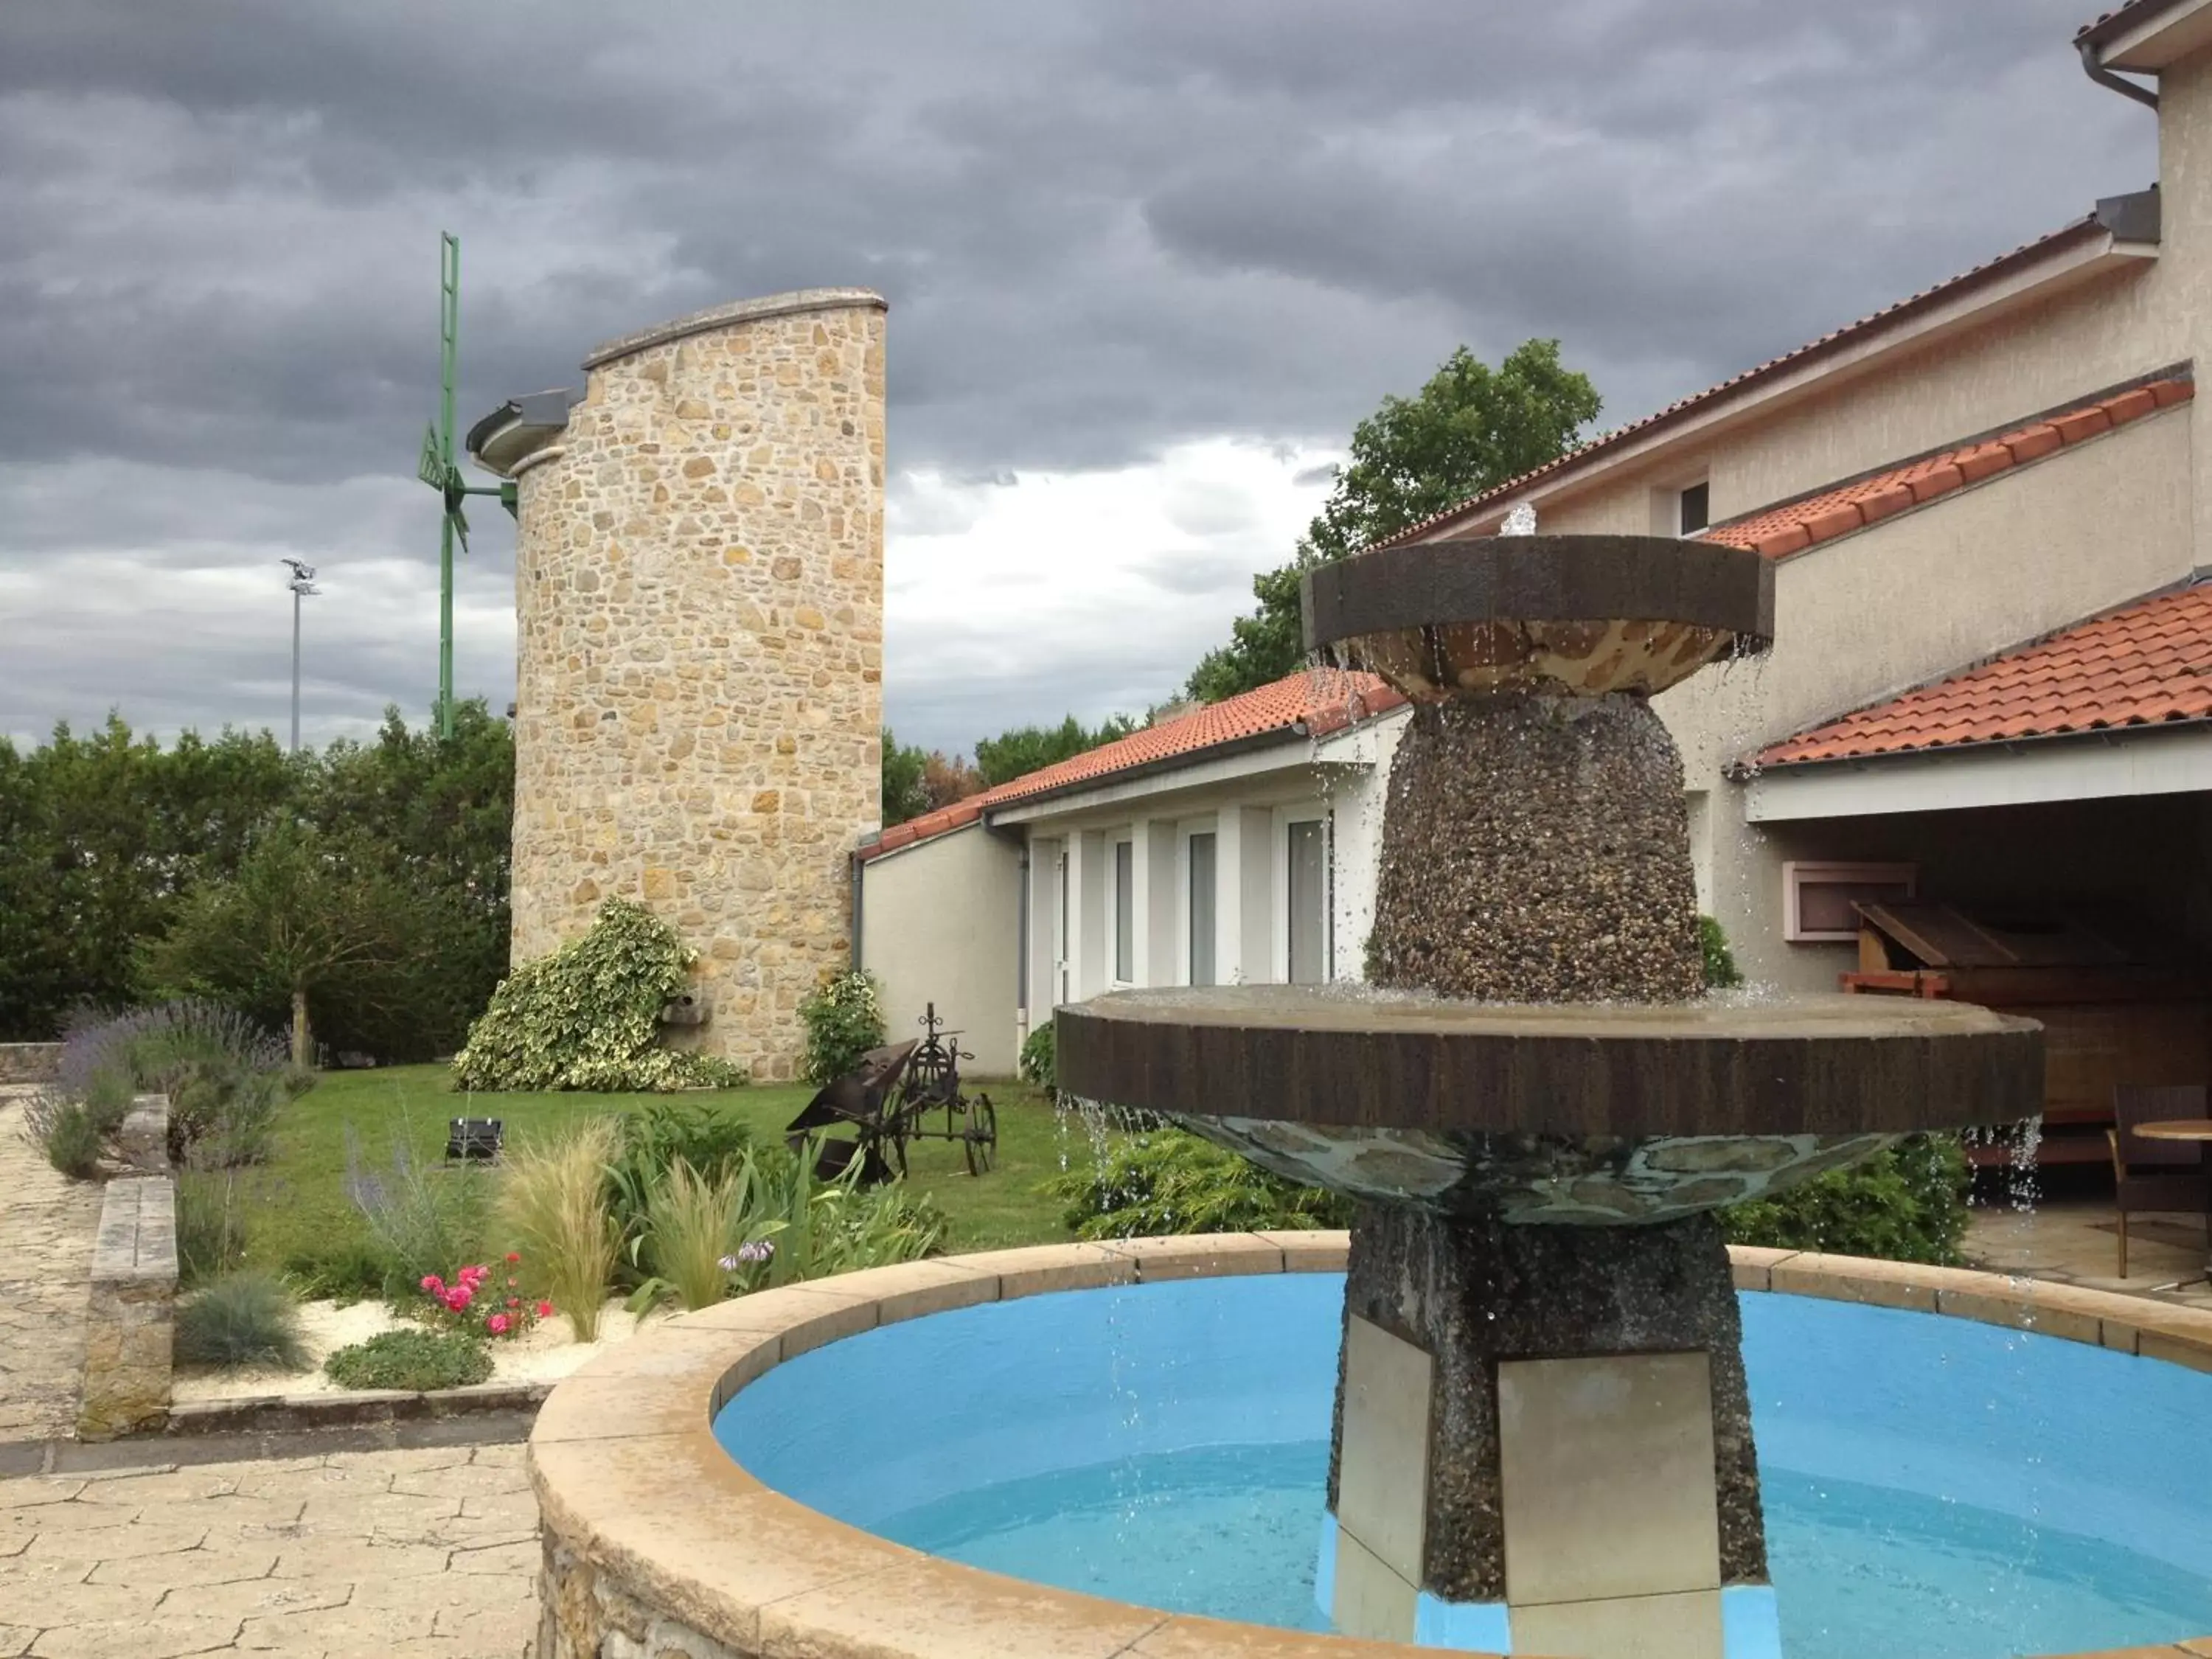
1104 229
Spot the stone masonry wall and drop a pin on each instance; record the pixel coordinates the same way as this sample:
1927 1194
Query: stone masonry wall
130 1310
699 599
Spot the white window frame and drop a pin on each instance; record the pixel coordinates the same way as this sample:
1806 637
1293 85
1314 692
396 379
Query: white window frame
1798 873
1184 831
1115 841
1279 846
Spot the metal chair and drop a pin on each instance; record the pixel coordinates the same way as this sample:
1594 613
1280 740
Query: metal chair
2155 1175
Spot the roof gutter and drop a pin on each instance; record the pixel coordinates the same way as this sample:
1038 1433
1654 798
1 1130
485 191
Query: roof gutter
1273 735
2093 67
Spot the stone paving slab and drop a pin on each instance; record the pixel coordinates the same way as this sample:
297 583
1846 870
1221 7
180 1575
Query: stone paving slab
347 1556
47 1223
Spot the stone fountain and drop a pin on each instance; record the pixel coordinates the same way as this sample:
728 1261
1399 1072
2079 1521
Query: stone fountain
1543 1441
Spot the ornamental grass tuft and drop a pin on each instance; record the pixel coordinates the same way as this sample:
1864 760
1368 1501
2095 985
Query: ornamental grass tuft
244 1319
690 1229
553 1204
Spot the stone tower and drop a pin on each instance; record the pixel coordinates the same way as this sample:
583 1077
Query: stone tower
699 602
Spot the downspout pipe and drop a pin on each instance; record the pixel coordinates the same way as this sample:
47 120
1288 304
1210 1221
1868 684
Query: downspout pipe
860 888
2105 78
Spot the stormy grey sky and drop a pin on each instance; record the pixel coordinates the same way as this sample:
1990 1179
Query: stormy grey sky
1147 262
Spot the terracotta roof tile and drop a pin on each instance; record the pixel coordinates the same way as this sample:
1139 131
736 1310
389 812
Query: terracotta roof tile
2144 665
1778 531
1474 504
1318 701
2112 22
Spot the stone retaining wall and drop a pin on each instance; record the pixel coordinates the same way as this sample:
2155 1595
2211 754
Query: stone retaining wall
132 1311
659 1546
29 1062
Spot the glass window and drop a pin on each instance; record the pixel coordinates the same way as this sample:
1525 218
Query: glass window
1201 908
1697 508
1309 916
1125 912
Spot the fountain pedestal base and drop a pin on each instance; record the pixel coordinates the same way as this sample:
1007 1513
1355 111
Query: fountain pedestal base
1544 1430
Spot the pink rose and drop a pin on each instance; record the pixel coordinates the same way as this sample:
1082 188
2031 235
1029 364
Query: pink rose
497 1324
459 1297
545 1310
434 1285
513 1256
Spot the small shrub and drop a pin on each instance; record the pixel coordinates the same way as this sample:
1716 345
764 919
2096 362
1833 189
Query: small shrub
588 1016
210 1227
246 1319
1168 1181
812 1228
411 1359
713 1142
346 1268
1720 971
473 1307
844 1019
223 1115
420 1221
554 1204
1038 1065
222 1072
1906 1203
64 1131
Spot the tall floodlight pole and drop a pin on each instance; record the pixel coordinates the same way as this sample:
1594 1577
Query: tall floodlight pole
302 586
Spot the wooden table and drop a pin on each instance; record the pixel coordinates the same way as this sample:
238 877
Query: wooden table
2198 1129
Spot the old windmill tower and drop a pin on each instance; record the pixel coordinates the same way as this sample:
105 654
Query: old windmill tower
699 605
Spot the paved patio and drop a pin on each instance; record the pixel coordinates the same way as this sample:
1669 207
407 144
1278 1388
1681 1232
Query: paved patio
2074 1241
371 1555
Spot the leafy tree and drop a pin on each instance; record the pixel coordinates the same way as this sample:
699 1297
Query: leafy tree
944 781
308 918
904 797
1028 748
433 816
100 837
1469 429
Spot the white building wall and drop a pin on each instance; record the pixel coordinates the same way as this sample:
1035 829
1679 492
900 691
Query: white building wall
940 921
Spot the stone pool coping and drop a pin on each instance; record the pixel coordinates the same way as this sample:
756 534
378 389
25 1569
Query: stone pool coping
652 1530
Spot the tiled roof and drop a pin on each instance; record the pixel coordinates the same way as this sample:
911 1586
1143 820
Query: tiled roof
1779 530
1474 504
2120 17
1316 701
2148 665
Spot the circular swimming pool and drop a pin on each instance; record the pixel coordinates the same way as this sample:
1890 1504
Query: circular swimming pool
1933 1485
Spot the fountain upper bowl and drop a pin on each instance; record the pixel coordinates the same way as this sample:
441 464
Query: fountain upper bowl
1585 615
1590 1115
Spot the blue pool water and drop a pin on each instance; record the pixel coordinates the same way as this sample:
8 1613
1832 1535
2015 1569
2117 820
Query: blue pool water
1934 1486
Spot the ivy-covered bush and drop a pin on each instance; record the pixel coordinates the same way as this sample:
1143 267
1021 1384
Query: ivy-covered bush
844 1019
1167 1181
588 1016
1907 1204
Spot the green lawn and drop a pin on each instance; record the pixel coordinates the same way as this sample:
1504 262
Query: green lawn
297 1202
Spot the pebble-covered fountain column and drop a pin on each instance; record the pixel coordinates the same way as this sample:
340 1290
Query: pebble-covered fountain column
1544 1427
1578 1391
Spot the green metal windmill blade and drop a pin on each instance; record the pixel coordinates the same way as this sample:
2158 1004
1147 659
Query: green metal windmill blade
435 467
